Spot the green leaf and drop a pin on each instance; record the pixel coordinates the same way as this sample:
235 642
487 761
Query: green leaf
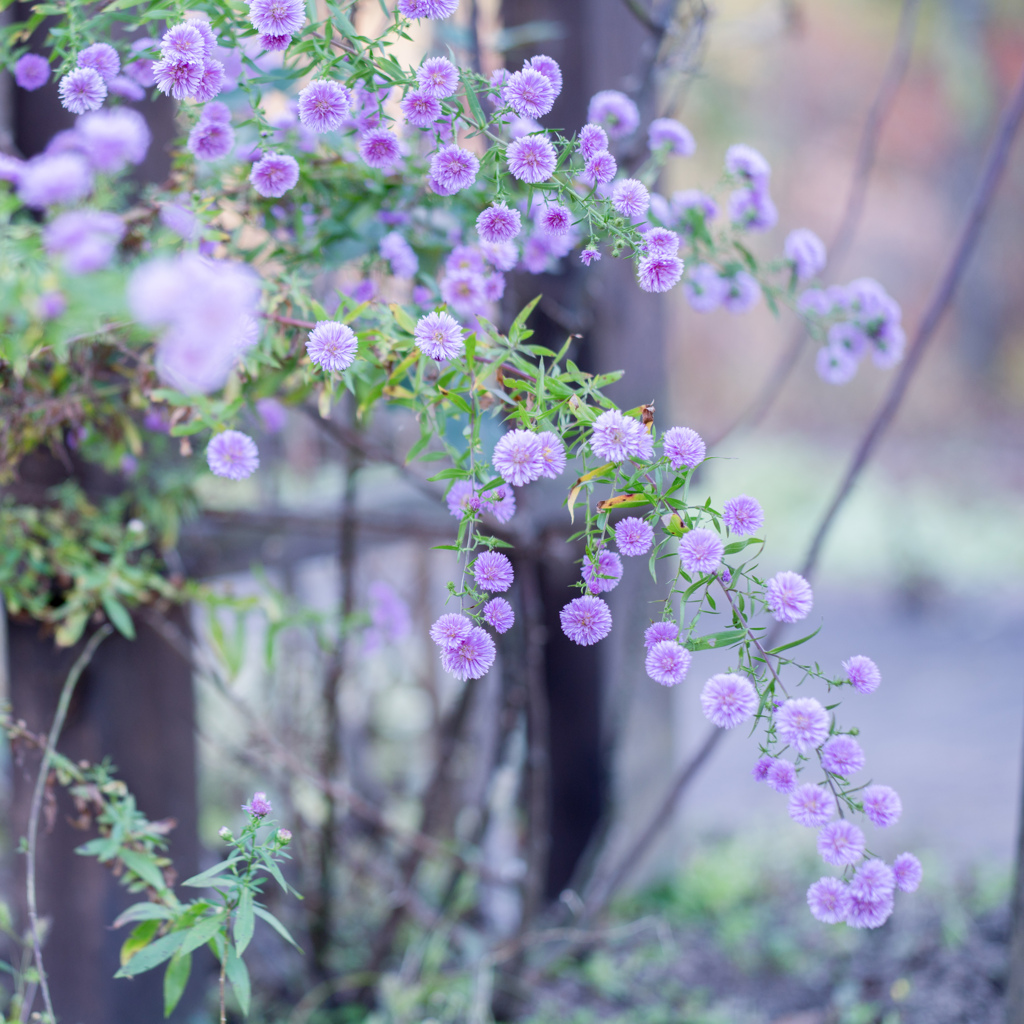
201 933
144 866
140 937
517 331
152 955
474 105
175 980
795 643
402 318
206 878
739 545
143 912
238 975
245 922
725 638
267 916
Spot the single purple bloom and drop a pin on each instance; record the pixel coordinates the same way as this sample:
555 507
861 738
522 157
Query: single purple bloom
498 614
593 139
803 723
453 169
552 453
529 93
211 81
471 657
782 775
705 288
51 305
599 170
498 223
450 630
419 109
433 9
203 27
727 700
389 615
518 457
869 913
531 159
185 41
700 551
806 251
177 78
743 515
633 536
113 138
815 300
887 345
882 805
461 498
661 242
669 133
380 149
259 806
102 58
233 455
548 67
31 71
555 219
52 180
683 447
874 880
499 502
906 869
588 256
438 77
464 292
789 597
841 842
659 273
400 254
332 346
466 257
863 673
829 900
616 437
760 769
605 575
742 292
493 571
752 209
277 17
668 662
274 175
747 163
689 203
842 755
811 806
82 90
615 111
272 414
586 620
275 42
127 88
658 631
211 140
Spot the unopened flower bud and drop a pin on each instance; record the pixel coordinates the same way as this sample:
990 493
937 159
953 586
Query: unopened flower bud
284 836
225 834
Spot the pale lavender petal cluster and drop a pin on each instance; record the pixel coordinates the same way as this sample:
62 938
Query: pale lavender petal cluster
323 105
86 239
274 174
661 242
470 657
700 551
806 251
498 223
829 900
874 880
332 346
438 77
633 536
31 71
742 292
549 68
667 133
840 843
586 620
842 755
82 90
882 805
450 629
705 288
102 58
668 662
389 616
593 139
433 9
599 170
439 336
113 138
233 455
906 869
50 180
552 453
452 169
811 806
498 614
789 597
659 273
588 256
419 109
531 159
781 775
743 515
748 164
803 723
658 631
617 437
493 571
211 139
683 447
615 112
728 699
555 219
400 254
529 93
863 673
630 197
518 457
277 17
603 576
760 769
753 210
863 913
382 150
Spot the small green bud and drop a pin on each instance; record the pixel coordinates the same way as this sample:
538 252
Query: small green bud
225 834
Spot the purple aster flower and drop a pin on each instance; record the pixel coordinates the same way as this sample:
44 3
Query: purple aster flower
782 775
204 28
211 81
434 9
177 78
102 58
906 869
186 42
332 346
802 722
689 203
492 571
273 415
380 149
494 287
531 159
753 209
811 806
585 620
274 175
746 163
592 140
658 631
323 105
31 71
419 109
86 239
728 699
498 223
464 291
529 93
659 273
51 305
863 673
742 292
471 657
211 140
232 454
743 515
588 256
462 497
789 597
760 769
661 242
555 219
466 257
518 457
49 180
217 112
633 536
537 253
498 614
835 365
615 437
630 197
874 880
684 447
669 133
549 68
605 575
438 77
113 138
882 805
552 453
277 17
869 913
841 842
399 253
842 755
450 630
700 551
829 900
705 288
615 111
275 43
82 90
500 502
806 251
259 806
599 170
668 662
453 169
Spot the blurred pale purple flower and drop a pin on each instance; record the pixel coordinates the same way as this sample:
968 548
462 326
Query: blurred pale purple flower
614 111
31 71
389 616
419 109
743 515
747 163
274 175
113 138
177 78
727 700
599 170
381 149
842 755
233 455
676 137
864 913
453 169
781 776
51 180
863 673
211 140
659 631
840 843
742 292
906 869
829 900
102 58
450 629
803 723
789 597
882 805
811 806
705 289
753 209
806 251
593 139
86 239
397 251
605 575
874 880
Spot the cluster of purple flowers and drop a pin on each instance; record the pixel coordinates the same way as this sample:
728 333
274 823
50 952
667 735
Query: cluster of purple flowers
187 68
276 21
212 137
465 497
521 456
707 289
467 651
473 280
750 206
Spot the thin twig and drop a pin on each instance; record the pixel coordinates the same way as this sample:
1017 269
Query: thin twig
63 703
995 162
